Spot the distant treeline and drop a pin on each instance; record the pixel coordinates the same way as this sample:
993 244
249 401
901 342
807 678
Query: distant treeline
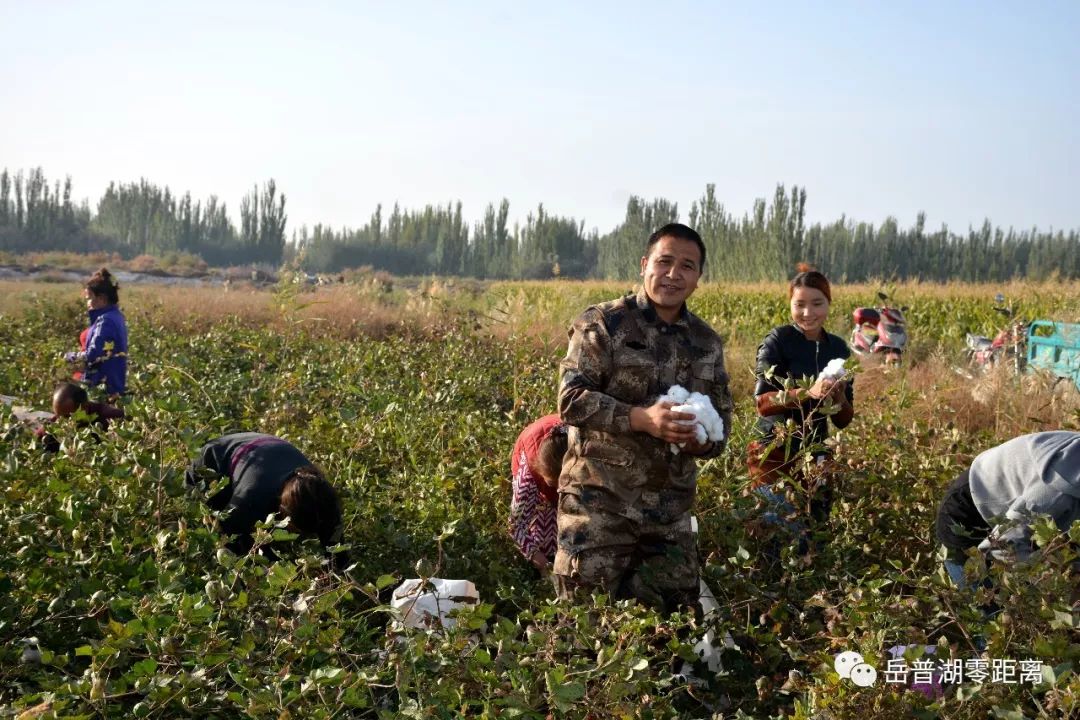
139 219
143 218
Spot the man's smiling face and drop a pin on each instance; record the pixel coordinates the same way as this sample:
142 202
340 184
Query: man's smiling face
670 274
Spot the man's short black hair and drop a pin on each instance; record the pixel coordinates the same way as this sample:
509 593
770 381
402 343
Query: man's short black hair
679 232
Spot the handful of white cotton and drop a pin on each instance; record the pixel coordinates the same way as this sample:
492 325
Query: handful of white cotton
834 370
708 425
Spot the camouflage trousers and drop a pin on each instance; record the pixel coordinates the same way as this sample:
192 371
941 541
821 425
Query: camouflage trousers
640 553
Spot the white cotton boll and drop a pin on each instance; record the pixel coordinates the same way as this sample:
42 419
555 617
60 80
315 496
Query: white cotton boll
834 370
708 423
700 432
676 394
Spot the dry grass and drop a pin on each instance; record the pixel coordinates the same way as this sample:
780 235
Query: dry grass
340 311
932 389
940 391
534 310
904 290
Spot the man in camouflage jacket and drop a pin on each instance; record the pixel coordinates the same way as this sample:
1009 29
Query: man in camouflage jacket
624 496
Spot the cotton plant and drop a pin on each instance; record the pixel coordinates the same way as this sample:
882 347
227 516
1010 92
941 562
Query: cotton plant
708 425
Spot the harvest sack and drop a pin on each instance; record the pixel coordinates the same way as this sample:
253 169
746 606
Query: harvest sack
25 414
428 608
29 416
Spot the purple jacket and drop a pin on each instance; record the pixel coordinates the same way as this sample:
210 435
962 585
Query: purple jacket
106 350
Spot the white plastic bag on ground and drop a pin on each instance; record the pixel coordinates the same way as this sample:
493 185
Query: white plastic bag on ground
34 419
429 606
23 413
30 415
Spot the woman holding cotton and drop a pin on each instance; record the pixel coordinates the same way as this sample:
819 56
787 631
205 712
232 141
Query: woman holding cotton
793 423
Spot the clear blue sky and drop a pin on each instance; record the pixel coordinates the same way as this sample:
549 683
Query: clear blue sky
965 110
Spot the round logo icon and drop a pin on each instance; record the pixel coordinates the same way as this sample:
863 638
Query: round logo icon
845 661
863 675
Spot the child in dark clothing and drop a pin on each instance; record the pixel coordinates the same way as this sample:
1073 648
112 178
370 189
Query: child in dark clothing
68 398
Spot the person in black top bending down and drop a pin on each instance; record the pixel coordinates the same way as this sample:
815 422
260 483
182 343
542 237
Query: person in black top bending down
267 475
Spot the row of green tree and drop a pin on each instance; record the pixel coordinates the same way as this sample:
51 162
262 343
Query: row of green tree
764 244
139 219
438 240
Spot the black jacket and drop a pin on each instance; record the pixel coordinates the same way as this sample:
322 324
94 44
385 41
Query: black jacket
257 466
792 355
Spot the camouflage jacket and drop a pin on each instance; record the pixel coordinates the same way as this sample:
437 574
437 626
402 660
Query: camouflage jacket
621 354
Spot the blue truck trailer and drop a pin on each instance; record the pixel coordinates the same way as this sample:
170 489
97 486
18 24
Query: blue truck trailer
1055 347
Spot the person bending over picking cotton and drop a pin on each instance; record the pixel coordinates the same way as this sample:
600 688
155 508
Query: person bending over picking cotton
1036 474
69 398
535 465
267 475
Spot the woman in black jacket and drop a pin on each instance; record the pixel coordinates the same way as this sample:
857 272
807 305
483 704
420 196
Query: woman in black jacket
793 424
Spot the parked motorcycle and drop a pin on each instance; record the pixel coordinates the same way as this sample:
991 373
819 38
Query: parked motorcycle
1009 344
880 331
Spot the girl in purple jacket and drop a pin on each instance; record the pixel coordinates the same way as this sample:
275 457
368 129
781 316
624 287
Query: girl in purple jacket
105 356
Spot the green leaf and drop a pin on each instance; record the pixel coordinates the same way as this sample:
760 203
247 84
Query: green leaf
145 668
1063 671
1044 530
385 581
569 692
328 675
